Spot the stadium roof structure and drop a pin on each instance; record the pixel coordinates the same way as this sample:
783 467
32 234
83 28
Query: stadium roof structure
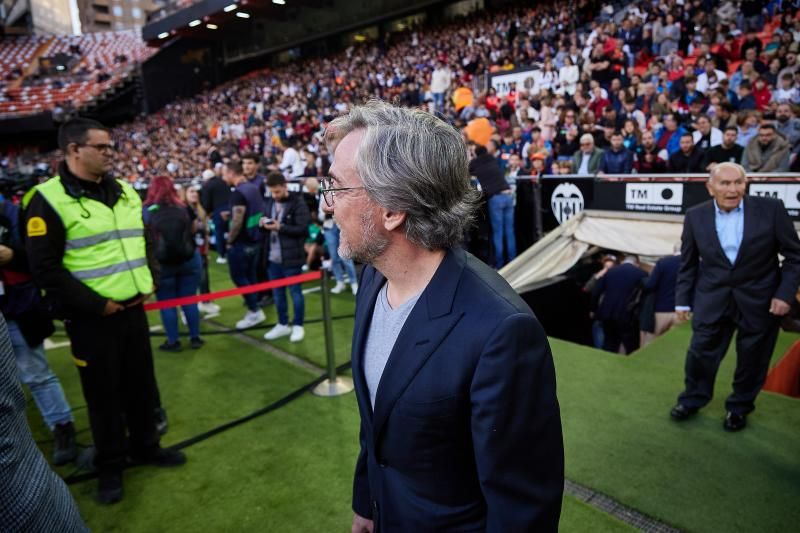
301 19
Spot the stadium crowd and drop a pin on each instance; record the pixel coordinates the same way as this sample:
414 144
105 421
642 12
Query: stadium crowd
710 71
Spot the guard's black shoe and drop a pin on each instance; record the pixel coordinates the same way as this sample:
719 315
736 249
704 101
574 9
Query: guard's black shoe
66 450
170 346
162 457
162 424
734 422
682 412
196 343
109 488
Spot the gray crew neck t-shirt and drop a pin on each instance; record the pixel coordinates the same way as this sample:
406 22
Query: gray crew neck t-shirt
383 331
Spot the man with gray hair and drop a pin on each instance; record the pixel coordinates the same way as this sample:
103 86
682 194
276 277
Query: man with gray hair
460 424
586 161
741 287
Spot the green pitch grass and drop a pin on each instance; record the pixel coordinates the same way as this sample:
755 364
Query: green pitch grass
291 469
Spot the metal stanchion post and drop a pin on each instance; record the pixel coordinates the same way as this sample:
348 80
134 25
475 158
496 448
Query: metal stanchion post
334 385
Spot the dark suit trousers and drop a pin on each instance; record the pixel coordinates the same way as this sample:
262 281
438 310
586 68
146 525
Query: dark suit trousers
708 347
616 332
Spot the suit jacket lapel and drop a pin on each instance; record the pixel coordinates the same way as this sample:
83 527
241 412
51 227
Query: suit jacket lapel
428 324
361 330
710 221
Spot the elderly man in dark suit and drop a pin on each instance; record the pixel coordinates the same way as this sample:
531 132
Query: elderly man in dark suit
730 275
460 425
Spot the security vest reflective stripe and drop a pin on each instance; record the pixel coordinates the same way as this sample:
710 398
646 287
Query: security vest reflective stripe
105 247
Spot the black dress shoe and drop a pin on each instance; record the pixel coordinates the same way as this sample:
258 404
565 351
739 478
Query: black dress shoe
734 422
109 488
66 450
163 457
682 412
173 347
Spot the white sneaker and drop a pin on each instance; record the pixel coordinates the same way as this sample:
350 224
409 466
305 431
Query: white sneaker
183 316
338 288
354 288
222 261
252 318
208 308
298 333
280 330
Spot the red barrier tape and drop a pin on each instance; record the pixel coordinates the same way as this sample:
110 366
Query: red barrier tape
258 287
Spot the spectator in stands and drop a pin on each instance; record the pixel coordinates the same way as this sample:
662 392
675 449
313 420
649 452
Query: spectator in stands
728 151
250 164
786 92
788 125
586 161
748 127
614 297
705 135
648 160
687 160
215 196
725 116
746 100
172 225
292 162
287 222
709 79
440 84
500 199
244 238
662 282
768 152
617 159
668 137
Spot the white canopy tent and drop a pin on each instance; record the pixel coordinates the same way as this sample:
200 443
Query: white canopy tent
643 234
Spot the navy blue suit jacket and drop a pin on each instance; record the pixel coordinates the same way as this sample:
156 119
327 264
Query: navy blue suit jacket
466 432
754 278
662 282
616 288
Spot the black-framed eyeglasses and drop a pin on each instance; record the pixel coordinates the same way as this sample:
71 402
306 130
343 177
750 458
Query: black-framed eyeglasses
101 147
328 190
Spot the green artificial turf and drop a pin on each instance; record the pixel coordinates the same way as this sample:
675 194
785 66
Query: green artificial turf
620 440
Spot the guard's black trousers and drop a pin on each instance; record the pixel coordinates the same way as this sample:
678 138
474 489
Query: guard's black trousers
708 347
115 362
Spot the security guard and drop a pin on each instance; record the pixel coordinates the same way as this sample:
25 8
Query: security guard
87 249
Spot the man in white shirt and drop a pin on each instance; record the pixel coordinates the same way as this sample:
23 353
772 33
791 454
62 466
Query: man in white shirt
440 83
710 78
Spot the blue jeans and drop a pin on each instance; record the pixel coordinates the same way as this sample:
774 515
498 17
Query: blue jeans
36 374
178 281
501 216
339 264
220 229
278 271
242 264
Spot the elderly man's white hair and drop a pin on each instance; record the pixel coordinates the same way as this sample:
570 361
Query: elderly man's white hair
587 137
727 165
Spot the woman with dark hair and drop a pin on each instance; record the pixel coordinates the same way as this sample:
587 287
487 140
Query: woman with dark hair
172 225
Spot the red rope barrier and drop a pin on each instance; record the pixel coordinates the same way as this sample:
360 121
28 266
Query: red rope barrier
258 287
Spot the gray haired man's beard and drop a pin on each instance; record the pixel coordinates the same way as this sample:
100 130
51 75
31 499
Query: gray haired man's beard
372 244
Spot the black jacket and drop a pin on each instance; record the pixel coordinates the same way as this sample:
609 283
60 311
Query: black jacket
487 169
215 195
617 289
683 164
754 278
64 292
293 230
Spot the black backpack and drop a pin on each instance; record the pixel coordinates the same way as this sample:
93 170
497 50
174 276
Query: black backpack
171 228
